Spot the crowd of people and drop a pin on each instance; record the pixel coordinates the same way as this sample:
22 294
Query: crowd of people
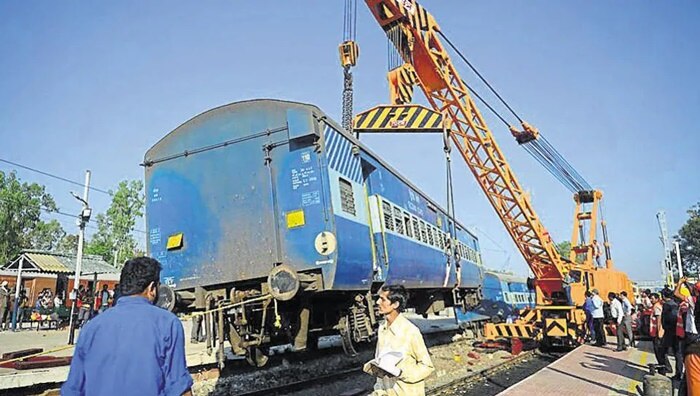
669 318
50 306
672 324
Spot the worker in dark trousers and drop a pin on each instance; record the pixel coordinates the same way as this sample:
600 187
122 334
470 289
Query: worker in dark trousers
656 331
627 321
618 315
196 334
669 341
598 318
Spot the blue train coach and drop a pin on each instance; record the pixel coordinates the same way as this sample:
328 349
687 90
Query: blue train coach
271 212
504 295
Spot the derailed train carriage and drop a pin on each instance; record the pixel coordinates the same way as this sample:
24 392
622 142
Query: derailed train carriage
280 226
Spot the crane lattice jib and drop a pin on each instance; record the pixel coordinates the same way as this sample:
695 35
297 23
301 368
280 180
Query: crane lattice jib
415 34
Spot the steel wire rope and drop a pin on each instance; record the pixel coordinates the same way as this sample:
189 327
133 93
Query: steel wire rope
554 156
479 74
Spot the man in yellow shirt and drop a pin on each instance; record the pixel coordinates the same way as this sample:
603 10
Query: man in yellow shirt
397 334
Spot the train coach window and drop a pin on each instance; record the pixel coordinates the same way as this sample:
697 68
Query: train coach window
438 238
388 218
398 219
347 198
423 233
416 228
407 224
429 231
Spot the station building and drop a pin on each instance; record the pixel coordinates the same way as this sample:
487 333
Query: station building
39 270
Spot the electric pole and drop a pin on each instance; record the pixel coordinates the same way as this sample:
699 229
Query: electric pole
668 264
83 219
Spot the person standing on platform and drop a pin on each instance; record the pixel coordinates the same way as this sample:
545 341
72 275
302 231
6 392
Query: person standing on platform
4 304
656 331
669 340
598 318
588 309
117 294
686 328
143 344
618 316
399 335
627 321
104 298
646 299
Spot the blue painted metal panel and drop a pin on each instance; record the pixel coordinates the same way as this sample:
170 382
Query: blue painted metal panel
301 123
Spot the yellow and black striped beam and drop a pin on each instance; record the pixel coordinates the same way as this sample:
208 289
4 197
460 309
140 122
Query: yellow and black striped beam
509 330
398 118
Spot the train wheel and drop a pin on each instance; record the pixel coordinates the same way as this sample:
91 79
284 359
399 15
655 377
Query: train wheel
256 357
346 336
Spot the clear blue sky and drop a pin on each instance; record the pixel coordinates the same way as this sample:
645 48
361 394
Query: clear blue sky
613 85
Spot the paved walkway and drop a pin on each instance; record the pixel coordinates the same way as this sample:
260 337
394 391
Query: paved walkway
590 370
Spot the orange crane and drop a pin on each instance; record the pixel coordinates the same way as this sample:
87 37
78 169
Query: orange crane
423 61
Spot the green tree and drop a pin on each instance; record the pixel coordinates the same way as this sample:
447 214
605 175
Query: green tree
46 235
689 240
114 240
21 226
68 244
564 248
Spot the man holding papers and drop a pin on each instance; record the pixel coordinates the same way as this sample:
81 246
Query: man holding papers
402 362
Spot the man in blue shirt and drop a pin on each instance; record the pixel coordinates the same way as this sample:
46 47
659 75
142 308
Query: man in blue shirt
135 348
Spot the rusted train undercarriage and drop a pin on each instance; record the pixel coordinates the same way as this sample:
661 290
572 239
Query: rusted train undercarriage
293 308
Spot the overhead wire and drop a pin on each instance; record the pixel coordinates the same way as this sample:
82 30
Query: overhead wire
55 176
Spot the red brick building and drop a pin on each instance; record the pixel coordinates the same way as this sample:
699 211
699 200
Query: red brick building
56 271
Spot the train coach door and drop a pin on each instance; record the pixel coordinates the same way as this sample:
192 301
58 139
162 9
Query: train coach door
379 262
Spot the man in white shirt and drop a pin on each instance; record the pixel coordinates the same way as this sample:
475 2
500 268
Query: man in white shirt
399 335
598 316
627 321
618 314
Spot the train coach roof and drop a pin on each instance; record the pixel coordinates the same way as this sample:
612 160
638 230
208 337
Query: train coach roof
318 114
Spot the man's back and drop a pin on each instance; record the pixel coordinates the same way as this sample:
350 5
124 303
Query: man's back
669 314
134 348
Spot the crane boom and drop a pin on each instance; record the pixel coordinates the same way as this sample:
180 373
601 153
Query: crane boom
416 37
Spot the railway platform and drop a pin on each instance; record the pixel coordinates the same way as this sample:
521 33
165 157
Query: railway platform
590 370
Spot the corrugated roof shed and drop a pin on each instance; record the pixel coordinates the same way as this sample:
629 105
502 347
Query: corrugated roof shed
56 262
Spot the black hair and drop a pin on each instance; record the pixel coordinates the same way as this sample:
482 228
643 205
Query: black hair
588 293
137 274
666 293
624 293
647 291
655 295
397 293
612 295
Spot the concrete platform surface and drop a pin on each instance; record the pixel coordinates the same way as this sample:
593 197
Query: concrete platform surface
590 370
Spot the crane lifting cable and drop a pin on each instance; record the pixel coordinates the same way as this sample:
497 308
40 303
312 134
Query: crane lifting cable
349 52
530 138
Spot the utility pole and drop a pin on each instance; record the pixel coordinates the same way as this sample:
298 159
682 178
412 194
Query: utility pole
668 268
83 219
18 284
678 258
